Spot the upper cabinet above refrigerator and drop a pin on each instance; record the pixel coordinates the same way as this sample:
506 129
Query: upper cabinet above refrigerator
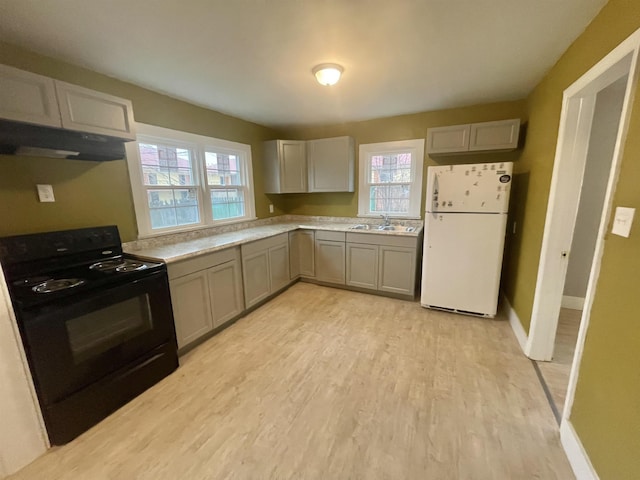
501 135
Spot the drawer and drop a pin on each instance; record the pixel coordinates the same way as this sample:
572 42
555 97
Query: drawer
265 243
201 262
330 235
383 239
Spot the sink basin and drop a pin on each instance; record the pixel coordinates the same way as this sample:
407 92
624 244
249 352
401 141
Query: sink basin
397 228
360 226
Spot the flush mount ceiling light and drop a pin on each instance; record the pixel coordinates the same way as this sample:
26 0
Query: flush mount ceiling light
327 73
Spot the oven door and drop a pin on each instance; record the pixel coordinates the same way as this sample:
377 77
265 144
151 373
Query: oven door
77 341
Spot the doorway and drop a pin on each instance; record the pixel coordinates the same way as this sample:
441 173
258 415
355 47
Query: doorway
593 127
602 141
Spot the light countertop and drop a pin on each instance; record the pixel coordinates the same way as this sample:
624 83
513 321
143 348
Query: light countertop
182 250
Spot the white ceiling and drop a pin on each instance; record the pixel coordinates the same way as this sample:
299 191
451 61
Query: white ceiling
253 58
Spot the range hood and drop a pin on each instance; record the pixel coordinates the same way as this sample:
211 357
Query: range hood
17 138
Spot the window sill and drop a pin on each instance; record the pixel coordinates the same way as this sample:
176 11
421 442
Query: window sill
391 217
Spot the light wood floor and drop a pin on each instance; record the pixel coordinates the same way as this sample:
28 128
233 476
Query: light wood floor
556 372
323 383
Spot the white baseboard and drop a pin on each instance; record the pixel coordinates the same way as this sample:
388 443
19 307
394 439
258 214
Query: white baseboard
575 452
574 303
516 324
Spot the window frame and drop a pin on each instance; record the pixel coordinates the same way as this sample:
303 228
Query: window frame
198 145
366 151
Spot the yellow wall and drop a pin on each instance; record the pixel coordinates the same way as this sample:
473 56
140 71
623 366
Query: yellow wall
606 412
89 193
402 127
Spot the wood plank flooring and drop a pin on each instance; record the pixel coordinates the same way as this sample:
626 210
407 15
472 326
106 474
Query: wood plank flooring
556 372
323 383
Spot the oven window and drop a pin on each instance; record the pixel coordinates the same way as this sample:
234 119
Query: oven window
94 333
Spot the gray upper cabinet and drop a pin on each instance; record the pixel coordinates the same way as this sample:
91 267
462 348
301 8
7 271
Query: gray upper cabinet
297 166
30 98
27 97
474 137
95 112
330 162
285 166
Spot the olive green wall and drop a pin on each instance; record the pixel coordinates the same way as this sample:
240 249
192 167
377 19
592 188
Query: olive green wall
89 193
606 411
402 127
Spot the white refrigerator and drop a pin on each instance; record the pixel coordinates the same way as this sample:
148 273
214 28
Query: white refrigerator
465 221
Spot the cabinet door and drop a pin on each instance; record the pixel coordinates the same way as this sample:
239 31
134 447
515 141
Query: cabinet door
27 97
279 267
306 245
330 261
255 275
500 135
450 139
362 265
90 111
293 166
191 307
330 162
397 272
225 292
294 254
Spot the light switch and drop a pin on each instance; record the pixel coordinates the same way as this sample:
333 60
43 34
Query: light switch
622 221
45 193
270 208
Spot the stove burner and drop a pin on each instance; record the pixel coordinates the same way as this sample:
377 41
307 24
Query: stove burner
131 266
118 265
106 266
55 285
30 282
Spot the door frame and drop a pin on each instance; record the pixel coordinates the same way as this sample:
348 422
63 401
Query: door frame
571 153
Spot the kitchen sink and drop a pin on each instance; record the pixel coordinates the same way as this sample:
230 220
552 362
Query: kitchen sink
360 226
397 228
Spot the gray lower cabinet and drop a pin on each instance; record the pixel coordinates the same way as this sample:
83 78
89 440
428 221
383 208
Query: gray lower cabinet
330 257
302 254
382 262
362 265
206 291
265 267
397 270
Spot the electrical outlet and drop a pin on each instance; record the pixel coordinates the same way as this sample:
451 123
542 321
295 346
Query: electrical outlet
45 193
271 208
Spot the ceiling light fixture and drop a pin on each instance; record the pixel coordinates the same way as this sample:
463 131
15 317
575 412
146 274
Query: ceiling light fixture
327 73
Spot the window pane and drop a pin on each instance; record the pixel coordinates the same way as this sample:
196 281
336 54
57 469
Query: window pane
173 207
223 169
227 203
165 165
392 168
389 199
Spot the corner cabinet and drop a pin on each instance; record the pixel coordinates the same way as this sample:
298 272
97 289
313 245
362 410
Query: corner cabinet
265 268
501 135
206 292
31 98
285 166
330 162
302 254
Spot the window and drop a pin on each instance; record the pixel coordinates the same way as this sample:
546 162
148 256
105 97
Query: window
182 181
391 179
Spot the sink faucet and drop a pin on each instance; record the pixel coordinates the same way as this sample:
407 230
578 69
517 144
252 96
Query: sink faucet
385 217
